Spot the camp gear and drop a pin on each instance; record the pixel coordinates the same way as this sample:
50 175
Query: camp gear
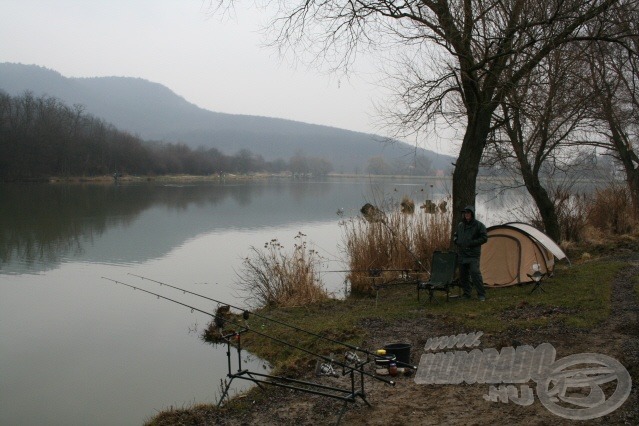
442 274
401 352
512 251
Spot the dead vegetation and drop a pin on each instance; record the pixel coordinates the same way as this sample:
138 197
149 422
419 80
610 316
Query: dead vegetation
380 245
273 277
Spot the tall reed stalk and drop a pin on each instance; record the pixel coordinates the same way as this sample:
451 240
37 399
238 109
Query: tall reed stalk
392 244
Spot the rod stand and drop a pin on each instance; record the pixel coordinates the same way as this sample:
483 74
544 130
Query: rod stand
348 395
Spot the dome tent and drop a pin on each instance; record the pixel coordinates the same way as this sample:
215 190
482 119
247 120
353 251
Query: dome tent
512 251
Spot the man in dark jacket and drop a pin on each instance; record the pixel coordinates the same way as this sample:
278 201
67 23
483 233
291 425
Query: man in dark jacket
469 237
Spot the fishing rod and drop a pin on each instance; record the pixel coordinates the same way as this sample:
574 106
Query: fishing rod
246 312
340 393
275 339
376 272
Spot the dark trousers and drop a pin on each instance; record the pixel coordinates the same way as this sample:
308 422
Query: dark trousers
469 268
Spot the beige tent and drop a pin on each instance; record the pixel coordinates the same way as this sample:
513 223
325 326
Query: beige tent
515 250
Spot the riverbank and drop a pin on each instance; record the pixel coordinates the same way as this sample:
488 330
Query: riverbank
109 179
590 307
162 178
224 177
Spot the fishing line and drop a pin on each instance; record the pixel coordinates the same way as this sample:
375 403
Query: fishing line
330 256
347 345
275 339
375 272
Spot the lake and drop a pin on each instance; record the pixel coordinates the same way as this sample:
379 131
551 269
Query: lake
79 349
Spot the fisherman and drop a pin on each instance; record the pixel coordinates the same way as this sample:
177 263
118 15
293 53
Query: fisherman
469 237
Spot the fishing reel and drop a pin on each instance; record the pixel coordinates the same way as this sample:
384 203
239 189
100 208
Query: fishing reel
352 358
325 369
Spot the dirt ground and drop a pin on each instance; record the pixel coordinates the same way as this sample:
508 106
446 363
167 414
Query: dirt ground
408 403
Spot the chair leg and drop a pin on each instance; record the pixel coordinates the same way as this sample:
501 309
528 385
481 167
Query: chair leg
431 293
537 286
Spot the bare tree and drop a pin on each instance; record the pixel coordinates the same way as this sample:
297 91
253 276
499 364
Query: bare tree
475 52
540 125
615 81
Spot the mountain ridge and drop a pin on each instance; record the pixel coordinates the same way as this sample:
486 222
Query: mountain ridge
153 111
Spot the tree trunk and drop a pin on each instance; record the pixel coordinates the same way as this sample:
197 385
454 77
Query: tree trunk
543 202
467 165
632 179
625 154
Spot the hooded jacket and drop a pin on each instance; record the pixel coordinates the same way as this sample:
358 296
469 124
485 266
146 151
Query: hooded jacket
469 236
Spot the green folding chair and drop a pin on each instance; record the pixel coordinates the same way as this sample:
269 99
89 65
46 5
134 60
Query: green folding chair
442 275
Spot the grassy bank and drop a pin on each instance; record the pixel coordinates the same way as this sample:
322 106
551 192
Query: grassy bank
578 296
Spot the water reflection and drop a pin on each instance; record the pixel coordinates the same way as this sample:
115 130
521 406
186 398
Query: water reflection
40 225
44 225
77 349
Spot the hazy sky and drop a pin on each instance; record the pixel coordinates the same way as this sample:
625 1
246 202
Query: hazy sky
216 62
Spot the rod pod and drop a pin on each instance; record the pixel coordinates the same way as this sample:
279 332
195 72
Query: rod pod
347 345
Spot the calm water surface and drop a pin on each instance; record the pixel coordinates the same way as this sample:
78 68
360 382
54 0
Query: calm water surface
77 349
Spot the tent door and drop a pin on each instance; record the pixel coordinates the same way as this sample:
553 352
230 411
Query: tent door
501 260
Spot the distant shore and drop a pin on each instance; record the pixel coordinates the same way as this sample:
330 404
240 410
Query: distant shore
161 178
107 179
224 177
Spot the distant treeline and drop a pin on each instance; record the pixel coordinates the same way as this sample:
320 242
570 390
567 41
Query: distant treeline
42 137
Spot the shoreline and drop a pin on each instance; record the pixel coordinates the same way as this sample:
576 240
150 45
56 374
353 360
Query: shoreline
558 317
109 179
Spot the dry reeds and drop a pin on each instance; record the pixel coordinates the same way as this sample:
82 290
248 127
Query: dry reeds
402 242
272 277
607 211
432 233
572 212
589 217
611 210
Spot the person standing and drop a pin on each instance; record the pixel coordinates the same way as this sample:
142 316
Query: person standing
469 237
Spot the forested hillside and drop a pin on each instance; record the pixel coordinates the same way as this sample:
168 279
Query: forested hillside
154 112
42 137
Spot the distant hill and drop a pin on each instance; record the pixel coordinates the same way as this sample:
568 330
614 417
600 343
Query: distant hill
153 112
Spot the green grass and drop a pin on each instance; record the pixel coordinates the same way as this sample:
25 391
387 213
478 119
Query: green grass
578 295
